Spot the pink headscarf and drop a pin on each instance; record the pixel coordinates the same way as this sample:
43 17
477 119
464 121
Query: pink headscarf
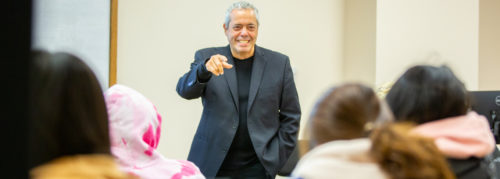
135 127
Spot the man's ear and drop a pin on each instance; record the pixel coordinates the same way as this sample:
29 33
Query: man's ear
225 28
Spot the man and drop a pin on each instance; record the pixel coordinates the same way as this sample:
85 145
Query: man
251 110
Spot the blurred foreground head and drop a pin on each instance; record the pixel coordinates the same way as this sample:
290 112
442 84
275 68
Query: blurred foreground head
134 123
135 128
345 112
68 113
426 93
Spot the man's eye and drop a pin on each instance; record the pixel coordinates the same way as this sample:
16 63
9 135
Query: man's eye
236 27
251 28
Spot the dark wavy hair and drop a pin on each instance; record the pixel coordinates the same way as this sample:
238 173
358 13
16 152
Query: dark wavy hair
425 93
68 113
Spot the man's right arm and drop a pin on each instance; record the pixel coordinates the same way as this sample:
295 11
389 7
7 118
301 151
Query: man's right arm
192 84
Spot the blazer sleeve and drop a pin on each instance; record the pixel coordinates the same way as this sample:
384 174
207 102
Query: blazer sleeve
189 85
289 115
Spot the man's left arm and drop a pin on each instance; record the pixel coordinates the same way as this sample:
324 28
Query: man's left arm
289 115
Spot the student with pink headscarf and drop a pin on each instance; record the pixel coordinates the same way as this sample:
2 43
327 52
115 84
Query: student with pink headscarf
135 127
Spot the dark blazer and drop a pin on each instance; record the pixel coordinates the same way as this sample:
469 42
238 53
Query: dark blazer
273 110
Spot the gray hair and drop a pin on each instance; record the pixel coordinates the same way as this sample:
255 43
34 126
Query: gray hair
240 5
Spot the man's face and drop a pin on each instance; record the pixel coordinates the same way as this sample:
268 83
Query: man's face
242 32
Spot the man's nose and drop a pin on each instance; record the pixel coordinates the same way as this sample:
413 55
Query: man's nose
244 31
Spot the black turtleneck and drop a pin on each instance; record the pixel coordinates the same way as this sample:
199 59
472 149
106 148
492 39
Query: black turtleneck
241 153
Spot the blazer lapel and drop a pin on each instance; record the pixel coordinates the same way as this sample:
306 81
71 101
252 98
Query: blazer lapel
259 63
230 76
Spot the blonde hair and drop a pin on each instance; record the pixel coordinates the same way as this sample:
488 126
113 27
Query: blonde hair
404 155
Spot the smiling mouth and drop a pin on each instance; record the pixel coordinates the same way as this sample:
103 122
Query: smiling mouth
243 41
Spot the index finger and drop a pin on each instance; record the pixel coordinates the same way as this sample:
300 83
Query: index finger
223 58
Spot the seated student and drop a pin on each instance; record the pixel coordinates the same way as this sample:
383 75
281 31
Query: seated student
135 133
69 135
437 100
345 147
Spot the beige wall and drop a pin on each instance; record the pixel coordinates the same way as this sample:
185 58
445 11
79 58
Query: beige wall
412 32
359 41
157 40
489 45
